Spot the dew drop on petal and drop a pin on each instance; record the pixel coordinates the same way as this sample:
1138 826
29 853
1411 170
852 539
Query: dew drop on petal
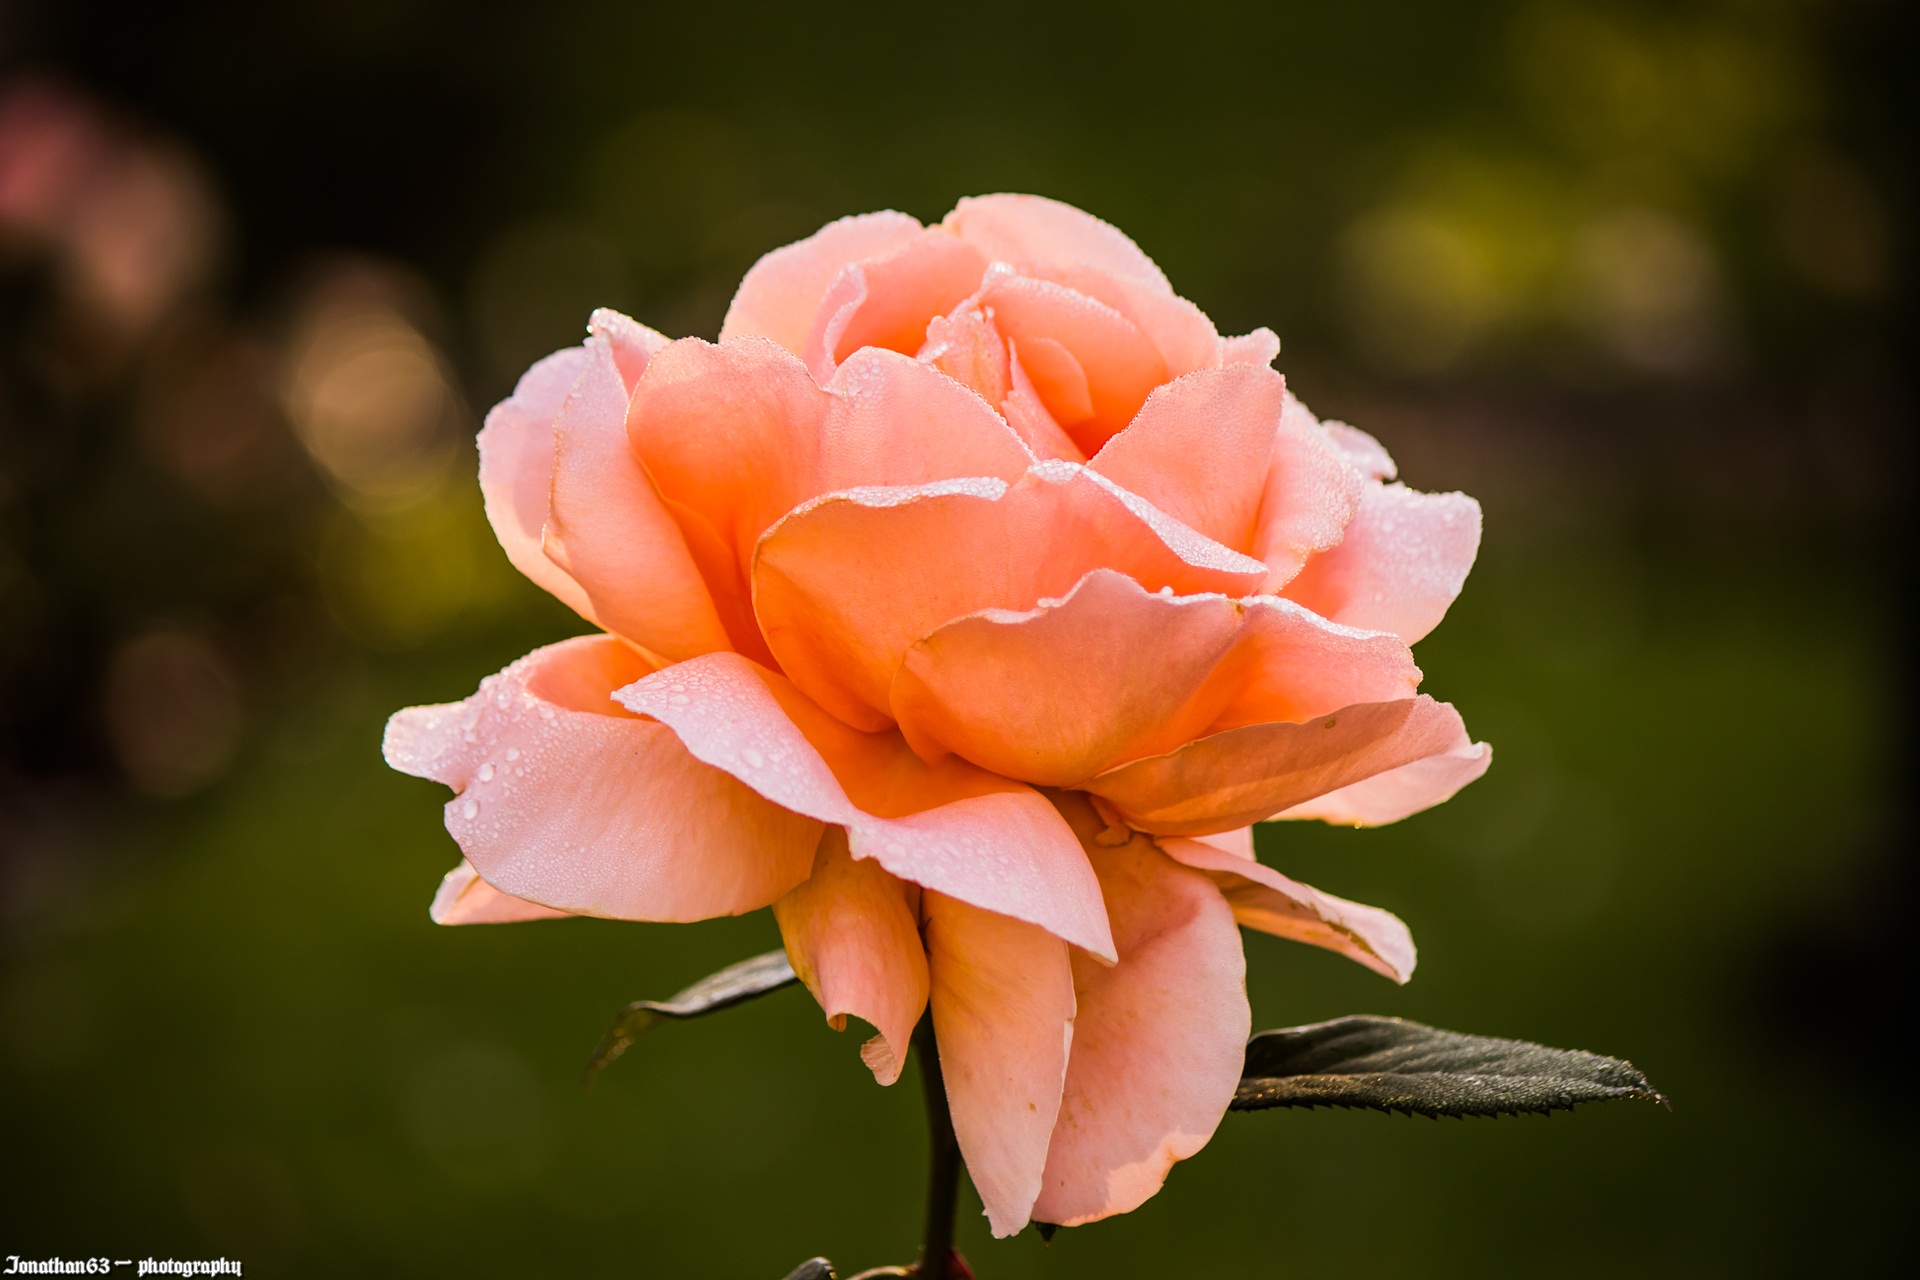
513 753
470 810
679 700
486 772
753 758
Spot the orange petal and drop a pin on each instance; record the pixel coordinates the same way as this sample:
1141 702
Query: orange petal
1400 565
846 584
951 827
1178 330
1028 415
1119 364
1112 672
1200 448
1002 998
852 934
1264 899
1312 493
1243 775
464 898
516 471
609 531
1159 1039
1399 793
568 801
781 293
1032 229
888 301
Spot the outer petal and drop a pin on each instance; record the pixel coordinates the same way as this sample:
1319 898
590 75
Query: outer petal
852 934
590 810
1032 229
1264 899
781 293
1159 1039
888 301
464 898
1002 997
1113 672
1403 560
516 471
845 585
1260 347
951 827
1200 448
1400 793
1243 775
610 532
1312 493
1368 455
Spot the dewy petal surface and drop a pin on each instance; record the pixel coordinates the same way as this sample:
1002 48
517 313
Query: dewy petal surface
1003 1007
1021 229
845 585
1247 774
464 898
516 471
1264 899
952 827
782 292
1159 1039
1400 793
1312 494
1112 672
609 530
591 810
1400 565
852 935
888 301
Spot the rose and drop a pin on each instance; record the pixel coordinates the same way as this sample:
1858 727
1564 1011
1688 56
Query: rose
984 721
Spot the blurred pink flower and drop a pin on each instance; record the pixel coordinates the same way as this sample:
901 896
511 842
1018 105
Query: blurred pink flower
964 603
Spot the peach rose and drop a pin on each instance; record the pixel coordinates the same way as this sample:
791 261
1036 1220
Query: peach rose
964 603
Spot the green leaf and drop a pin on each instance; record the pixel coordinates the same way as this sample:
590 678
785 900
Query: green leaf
1391 1065
735 984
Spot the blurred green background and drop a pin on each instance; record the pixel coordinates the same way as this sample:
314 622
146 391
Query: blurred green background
1636 275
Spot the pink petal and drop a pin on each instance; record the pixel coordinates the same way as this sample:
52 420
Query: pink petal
1312 493
633 344
1178 330
1399 793
1367 455
609 531
1403 560
1119 364
1112 672
852 934
516 471
567 801
1243 775
1021 229
1159 1039
1261 347
464 898
1200 448
950 827
1237 842
1002 997
887 301
845 585
1058 379
782 292
1264 899
1027 414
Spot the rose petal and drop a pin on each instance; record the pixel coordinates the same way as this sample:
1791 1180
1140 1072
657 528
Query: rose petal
608 529
1119 364
1243 775
1264 899
845 585
1113 672
1400 565
1367 455
1399 793
1027 414
1200 449
464 898
852 935
1178 330
1159 1039
1002 998
567 801
1261 347
888 301
951 827
1312 493
782 292
516 471
1032 229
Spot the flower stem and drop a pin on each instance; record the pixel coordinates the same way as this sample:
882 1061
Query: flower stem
943 1162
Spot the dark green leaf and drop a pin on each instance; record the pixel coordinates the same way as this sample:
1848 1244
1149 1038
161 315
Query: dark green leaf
735 984
1391 1065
